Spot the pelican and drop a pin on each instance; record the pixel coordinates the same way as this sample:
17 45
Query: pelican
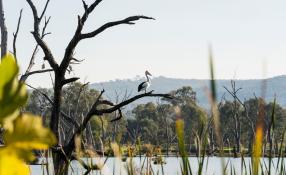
145 84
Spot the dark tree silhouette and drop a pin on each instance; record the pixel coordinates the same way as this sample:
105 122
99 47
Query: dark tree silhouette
62 153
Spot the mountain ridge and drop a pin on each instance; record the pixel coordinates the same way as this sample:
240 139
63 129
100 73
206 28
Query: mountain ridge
250 88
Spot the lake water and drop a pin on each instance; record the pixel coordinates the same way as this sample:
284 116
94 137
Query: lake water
212 166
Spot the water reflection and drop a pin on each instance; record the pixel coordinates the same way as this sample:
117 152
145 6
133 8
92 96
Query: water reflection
117 167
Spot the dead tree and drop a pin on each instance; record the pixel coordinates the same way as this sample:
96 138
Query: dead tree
4 38
251 123
4 32
63 153
235 114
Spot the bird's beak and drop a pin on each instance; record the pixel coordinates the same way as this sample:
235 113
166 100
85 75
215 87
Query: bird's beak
148 73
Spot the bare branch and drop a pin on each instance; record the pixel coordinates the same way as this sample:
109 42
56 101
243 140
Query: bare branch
25 76
45 27
85 6
233 95
15 35
44 11
89 9
126 102
78 36
128 20
77 60
79 94
4 32
36 33
95 111
31 62
35 15
244 106
117 118
70 80
98 99
32 59
40 92
105 102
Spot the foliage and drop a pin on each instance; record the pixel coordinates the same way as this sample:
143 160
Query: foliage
23 132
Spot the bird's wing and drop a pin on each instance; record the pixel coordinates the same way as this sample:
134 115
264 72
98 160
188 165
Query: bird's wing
141 86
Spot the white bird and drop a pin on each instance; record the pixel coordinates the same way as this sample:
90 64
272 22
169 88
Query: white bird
145 84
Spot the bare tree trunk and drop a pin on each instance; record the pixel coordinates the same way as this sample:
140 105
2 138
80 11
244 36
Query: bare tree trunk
59 161
237 128
89 136
4 35
167 137
102 130
237 132
54 124
4 32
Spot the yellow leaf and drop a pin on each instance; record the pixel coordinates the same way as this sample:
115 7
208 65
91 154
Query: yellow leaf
29 133
8 121
12 93
10 164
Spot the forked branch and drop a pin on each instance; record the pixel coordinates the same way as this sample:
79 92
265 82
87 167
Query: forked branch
36 33
78 35
99 112
28 71
95 111
130 20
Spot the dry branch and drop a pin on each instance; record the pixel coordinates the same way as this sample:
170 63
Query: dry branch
15 35
32 59
130 20
99 112
26 75
119 117
94 111
70 80
36 33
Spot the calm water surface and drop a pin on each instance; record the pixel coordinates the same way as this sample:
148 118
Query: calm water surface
212 166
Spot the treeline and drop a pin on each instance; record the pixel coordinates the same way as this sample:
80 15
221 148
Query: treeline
154 123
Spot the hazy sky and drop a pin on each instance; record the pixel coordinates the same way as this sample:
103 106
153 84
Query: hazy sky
243 34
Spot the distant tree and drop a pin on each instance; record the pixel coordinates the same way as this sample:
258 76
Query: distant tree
105 130
235 114
146 117
153 123
166 120
183 96
38 103
231 119
275 119
195 118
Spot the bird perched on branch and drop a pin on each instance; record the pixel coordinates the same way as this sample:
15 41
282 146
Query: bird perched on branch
145 84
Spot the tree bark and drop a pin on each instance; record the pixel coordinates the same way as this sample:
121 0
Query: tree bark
54 124
59 160
4 32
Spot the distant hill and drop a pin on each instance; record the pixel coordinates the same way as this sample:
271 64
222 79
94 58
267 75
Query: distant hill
275 85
